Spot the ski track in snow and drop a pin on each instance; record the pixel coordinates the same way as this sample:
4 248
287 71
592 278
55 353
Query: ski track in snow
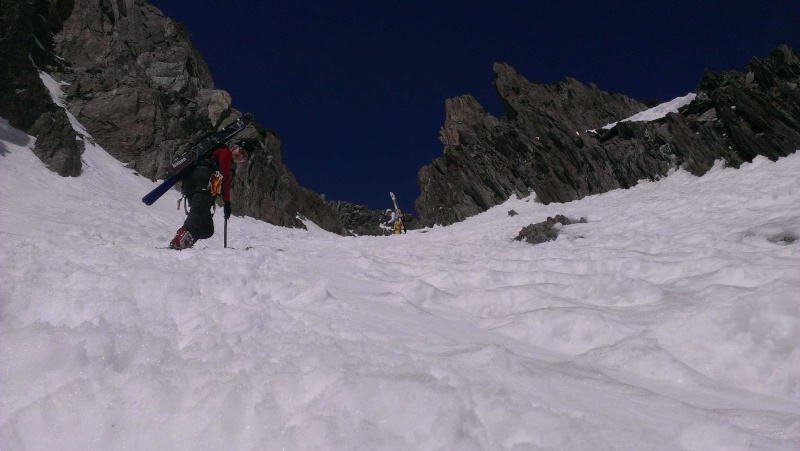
668 321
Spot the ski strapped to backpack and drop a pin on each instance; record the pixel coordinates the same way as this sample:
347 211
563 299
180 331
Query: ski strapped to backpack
197 151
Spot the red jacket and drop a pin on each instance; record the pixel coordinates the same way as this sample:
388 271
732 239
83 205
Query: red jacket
223 158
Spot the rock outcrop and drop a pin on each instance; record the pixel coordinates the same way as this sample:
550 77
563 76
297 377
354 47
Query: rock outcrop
545 231
547 141
25 40
132 77
359 219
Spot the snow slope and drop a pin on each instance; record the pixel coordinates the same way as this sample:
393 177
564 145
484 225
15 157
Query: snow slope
669 321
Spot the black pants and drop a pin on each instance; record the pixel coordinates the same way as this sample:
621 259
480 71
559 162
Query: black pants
199 222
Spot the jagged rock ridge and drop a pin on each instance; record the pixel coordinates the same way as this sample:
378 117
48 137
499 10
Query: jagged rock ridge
133 78
546 143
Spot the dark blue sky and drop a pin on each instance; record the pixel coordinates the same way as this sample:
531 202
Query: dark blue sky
356 89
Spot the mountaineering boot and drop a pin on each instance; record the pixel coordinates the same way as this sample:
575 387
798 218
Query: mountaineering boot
182 240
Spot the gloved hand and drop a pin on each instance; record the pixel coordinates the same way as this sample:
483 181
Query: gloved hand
226 209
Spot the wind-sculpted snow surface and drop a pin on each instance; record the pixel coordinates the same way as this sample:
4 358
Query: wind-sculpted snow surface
668 321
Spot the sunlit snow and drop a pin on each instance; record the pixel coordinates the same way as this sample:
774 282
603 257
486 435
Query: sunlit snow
670 320
657 111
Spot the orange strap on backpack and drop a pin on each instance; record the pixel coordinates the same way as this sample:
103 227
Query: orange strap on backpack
215 184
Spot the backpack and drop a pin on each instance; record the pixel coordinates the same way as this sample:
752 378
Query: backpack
202 175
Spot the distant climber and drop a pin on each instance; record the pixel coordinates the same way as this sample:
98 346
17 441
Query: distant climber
394 221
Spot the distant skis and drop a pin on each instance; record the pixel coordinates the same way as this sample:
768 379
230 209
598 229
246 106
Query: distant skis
398 211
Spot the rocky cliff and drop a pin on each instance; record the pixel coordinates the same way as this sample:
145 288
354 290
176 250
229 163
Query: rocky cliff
550 141
133 78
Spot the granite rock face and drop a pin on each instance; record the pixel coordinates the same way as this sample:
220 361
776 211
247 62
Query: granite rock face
56 143
550 141
25 43
132 77
541 145
735 117
359 219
